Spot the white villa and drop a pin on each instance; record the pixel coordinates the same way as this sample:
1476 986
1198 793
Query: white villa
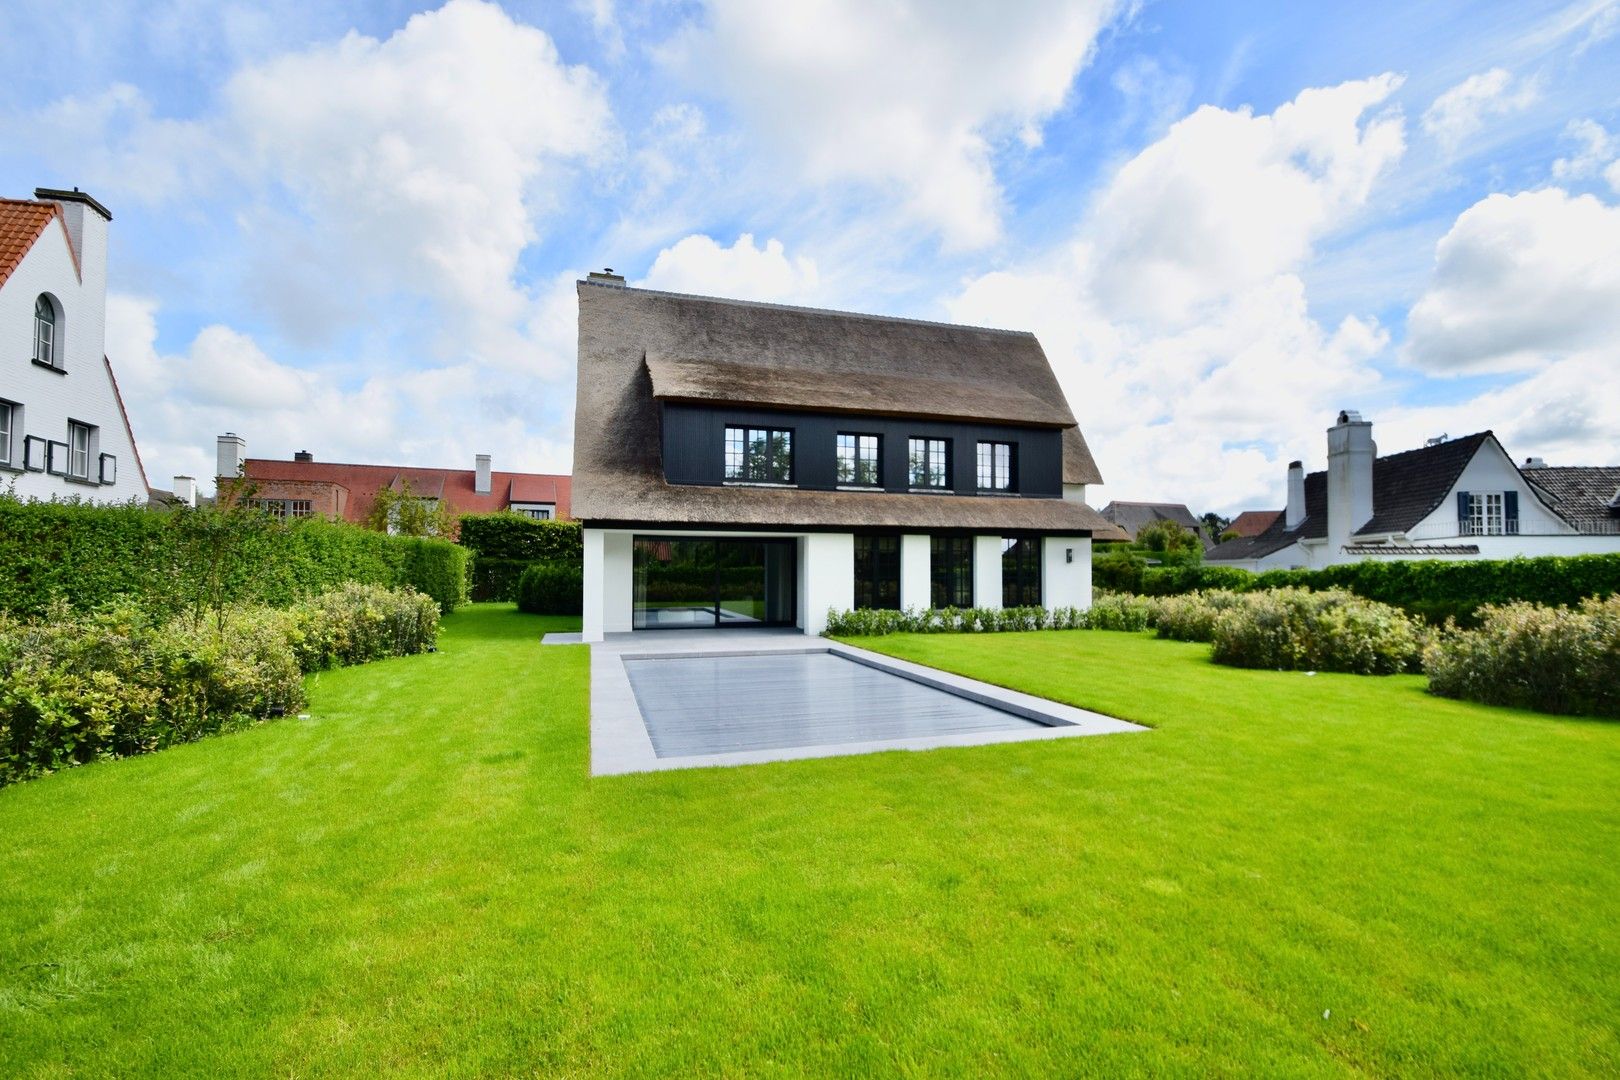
63 429
1454 499
747 464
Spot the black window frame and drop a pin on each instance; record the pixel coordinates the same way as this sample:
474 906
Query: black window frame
1010 483
874 579
950 571
1024 570
876 481
745 475
928 442
8 440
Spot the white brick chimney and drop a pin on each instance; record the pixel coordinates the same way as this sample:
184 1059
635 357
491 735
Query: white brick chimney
185 490
86 221
1351 452
1296 495
481 481
232 455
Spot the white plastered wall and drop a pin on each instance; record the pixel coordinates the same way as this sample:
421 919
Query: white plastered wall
987 571
1066 571
916 555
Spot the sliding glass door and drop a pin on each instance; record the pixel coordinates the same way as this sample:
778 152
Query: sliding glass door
714 582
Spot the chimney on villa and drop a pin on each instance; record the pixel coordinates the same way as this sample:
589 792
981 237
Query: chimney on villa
185 490
86 221
605 276
232 456
1351 452
303 455
481 484
1296 495
1535 463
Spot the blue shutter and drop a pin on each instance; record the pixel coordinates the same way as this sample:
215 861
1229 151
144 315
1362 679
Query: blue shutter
1510 512
1462 513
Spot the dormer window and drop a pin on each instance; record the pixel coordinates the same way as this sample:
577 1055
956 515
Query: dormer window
929 463
45 335
995 466
759 455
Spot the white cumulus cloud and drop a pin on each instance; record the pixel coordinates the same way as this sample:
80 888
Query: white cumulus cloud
1520 280
699 264
909 100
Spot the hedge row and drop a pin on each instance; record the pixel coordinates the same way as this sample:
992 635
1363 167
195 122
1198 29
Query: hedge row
77 687
551 588
1433 589
512 536
88 556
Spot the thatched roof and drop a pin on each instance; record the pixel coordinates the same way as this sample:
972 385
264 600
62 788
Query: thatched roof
639 346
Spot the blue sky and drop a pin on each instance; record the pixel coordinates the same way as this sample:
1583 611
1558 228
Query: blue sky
354 228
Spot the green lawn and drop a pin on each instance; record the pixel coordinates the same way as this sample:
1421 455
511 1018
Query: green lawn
1291 875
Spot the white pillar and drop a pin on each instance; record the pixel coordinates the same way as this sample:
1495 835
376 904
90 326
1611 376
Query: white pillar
827 574
987 571
916 557
618 582
593 602
1066 571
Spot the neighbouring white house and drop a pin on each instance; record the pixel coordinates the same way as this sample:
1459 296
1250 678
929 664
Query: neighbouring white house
751 464
1453 499
63 428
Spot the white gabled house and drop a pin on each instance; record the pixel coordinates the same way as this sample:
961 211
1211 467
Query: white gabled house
63 428
1454 499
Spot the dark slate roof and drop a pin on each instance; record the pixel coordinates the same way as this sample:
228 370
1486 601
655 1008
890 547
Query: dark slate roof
636 344
1586 496
1132 516
1407 487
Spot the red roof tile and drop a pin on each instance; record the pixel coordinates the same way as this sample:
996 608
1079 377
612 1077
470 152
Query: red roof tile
453 486
1253 522
21 223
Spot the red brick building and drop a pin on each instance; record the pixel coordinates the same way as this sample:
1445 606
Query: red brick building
304 487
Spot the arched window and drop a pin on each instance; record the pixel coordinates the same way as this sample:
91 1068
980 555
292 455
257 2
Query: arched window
45 332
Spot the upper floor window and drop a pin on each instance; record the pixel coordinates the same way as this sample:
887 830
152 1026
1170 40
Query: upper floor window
929 462
759 455
858 460
45 335
79 450
1485 515
995 466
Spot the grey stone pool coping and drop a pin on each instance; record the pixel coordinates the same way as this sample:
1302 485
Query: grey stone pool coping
620 743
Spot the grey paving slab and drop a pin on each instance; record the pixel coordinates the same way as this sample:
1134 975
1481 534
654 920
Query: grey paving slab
803 692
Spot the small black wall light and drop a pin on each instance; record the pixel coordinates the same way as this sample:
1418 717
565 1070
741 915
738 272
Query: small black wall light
1068 554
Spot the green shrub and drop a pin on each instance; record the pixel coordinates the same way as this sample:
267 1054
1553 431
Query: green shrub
1174 580
508 535
1192 617
875 622
495 577
1117 569
79 687
551 588
1120 611
1333 630
1556 660
190 561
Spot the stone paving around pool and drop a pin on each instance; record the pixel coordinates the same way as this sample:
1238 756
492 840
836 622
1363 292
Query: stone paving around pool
679 699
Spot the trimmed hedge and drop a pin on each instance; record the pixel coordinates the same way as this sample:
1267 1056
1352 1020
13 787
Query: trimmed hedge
512 536
77 688
1556 660
1332 630
88 556
1434 589
551 588
495 578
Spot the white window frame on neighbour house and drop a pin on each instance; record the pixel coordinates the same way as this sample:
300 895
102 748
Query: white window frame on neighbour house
46 318
1486 513
536 511
8 429
284 509
80 436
